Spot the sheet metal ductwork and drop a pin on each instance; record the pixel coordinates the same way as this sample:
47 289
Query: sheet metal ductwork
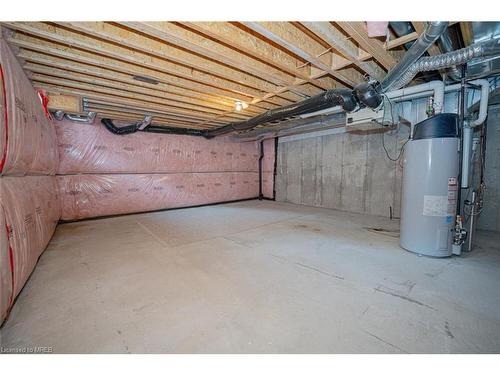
446 60
402 29
446 45
432 33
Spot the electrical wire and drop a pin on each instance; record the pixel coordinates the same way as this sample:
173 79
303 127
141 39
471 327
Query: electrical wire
387 152
383 134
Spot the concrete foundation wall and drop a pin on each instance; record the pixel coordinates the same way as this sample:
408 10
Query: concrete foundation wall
351 172
489 219
343 171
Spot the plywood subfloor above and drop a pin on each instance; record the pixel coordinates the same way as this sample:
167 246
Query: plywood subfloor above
191 74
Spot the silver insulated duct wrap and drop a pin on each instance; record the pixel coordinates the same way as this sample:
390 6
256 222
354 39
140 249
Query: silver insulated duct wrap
446 60
432 33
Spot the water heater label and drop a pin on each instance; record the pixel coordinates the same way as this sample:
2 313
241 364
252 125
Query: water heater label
452 195
435 205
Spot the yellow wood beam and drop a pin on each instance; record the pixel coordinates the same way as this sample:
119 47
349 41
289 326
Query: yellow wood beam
357 30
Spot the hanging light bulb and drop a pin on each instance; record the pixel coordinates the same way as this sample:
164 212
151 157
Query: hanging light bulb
240 105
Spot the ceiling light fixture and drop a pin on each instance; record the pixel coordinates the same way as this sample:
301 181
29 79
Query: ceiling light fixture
240 105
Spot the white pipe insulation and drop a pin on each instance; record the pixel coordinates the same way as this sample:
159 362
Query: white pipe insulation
434 88
469 130
483 104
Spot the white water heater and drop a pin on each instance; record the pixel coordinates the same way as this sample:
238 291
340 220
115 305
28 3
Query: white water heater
430 186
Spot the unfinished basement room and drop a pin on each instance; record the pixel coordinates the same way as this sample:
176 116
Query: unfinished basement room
285 187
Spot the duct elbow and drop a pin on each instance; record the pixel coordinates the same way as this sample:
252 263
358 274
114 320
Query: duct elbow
483 104
367 94
346 99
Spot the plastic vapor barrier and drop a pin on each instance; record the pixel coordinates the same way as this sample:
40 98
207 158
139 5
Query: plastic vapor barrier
30 209
85 196
91 148
5 270
27 137
268 169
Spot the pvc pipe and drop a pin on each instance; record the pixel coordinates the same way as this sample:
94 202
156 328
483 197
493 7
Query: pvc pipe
422 91
483 104
466 156
326 111
434 87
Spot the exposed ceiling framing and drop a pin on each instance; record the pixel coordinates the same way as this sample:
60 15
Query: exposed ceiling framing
201 68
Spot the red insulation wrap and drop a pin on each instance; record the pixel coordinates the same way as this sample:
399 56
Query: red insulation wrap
85 196
85 148
30 209
27 137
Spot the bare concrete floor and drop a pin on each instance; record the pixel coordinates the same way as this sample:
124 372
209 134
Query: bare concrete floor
254 277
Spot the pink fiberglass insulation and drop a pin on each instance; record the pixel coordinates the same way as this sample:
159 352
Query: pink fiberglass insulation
377 28
5 270
30 207
85 148
27 137
85 196
268 185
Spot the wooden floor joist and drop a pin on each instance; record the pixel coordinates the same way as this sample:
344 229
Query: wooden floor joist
337 40
357 30
192 74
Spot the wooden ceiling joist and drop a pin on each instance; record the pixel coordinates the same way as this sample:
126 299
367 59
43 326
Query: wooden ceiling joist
338 41
72 90
357 30
396 42
197 71
34 58
166 55
48 51
86 77
96 103
173 106
249 45
108 49
290 46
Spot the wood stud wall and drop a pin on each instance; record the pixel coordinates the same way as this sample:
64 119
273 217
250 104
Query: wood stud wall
202 68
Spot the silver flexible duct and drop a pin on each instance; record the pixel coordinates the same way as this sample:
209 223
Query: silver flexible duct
446 45
446 60
433 31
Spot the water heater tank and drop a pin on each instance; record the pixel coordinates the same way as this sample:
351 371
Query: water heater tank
429 196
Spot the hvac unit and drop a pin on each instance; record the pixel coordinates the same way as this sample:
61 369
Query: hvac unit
369 119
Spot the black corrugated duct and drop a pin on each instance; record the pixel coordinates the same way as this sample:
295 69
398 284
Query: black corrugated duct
129 129
330 98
